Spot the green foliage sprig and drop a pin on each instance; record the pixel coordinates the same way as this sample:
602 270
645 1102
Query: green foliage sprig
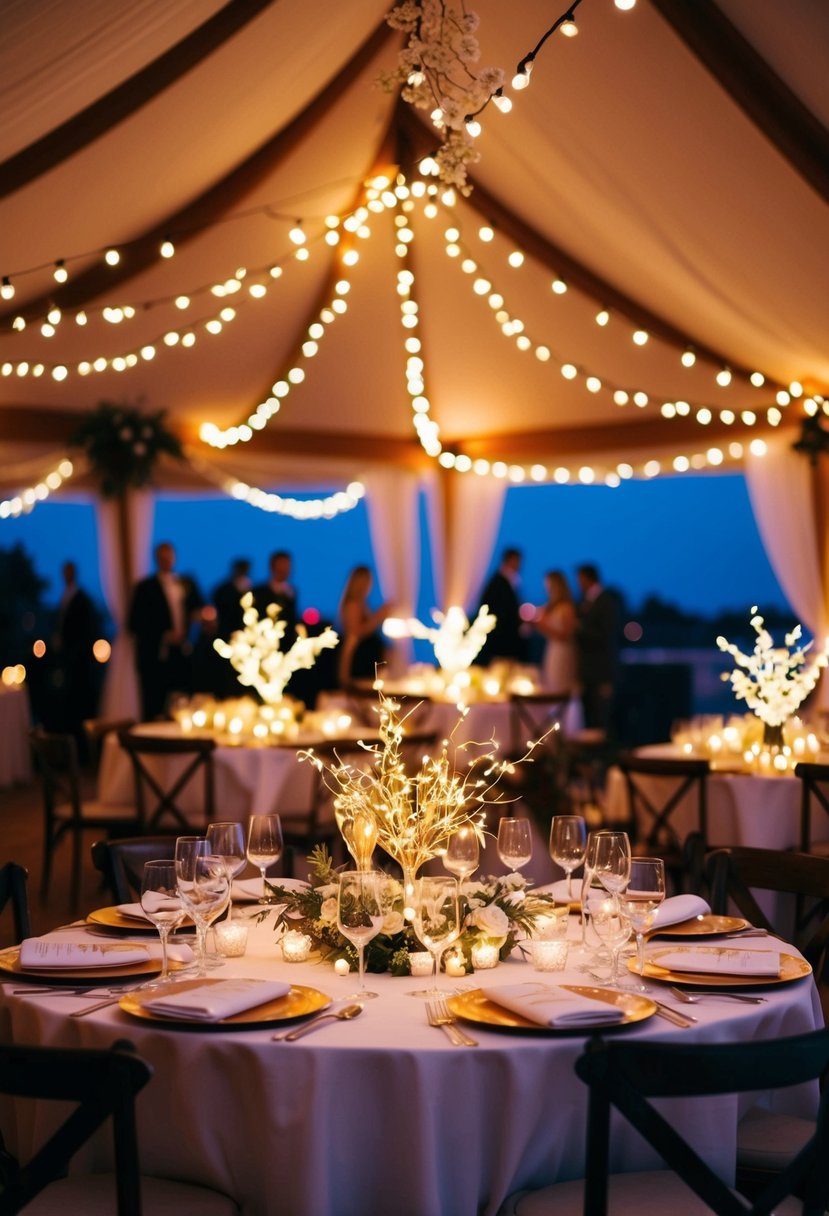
123 445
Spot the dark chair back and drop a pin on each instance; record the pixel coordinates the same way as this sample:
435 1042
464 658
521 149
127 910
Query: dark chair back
104 1085
536 717
627 1075
121 862
157 791
656 788
97 729
14 891
814 792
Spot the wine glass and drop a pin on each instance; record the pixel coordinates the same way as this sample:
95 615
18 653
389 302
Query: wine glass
227 840
590 887
641 901
568 844
612 926
161 903
264 847
360 916
515 846
202 883
462 854
612 860
437 922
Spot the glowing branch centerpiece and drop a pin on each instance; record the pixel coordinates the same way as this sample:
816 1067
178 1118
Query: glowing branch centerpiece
456 642
773 680
256 653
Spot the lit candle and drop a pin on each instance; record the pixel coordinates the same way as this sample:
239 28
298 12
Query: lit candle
231 938
341 966
420 963
296 947
456 965
484 955
200 719
548 955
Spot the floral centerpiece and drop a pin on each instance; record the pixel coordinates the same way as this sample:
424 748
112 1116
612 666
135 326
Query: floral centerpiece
456 642
256 653
502 910
123 445
773 680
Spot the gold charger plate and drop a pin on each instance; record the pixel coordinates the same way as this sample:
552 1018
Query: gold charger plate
702 926
791 968
111 918
473 1006
298 1003
10 963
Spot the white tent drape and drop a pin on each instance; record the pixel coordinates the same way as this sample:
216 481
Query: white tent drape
463 534
120 693
392 508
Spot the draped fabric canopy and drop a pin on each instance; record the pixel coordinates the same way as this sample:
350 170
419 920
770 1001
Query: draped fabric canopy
668 166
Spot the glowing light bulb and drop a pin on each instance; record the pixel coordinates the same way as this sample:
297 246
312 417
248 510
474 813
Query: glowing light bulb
6 288
602 317
688 358
296 234
723 377
112 257
167 249
568 27
60 273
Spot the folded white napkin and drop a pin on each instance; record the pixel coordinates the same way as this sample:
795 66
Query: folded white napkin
558 890
552 1006
133 912
77 950
719 961
219 999
678 908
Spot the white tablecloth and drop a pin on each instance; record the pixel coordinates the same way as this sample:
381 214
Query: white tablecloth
382 1114
15 723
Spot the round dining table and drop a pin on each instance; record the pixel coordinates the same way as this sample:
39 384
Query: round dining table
382 1113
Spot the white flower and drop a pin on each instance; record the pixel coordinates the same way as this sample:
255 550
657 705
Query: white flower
773 681
328 890
394 923
491 920
328 910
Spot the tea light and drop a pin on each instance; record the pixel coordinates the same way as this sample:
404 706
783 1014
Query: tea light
555 926
455 964
341 966
420 963
231 938
296 947
484 955
548 955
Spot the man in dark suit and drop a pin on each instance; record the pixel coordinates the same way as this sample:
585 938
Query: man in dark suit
162 610
76 630
279 590
597 643
227 598
500 595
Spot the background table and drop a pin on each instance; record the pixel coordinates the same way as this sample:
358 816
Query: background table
15 724
382 1114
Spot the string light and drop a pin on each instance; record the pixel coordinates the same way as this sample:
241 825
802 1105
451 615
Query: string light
301 509
28 499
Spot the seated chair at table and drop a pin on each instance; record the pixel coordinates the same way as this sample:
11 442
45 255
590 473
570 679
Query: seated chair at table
626 1075
14 891
121 862
661 792
165 769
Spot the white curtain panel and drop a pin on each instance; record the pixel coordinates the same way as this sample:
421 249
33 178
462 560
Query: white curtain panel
462 558
120 692
392 506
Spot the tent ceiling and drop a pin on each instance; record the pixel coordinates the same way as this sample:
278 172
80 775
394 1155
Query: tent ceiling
625 154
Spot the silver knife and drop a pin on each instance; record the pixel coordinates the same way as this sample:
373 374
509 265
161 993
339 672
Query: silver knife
673 1015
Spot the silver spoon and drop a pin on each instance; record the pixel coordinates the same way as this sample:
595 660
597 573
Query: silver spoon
693 998
343 1015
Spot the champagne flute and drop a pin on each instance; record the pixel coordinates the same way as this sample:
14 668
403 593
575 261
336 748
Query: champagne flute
641 901
612 926
360 916
613 860
161 903
568 844
589 884
264 847
462 853
227 840
515 846
437 922
202 903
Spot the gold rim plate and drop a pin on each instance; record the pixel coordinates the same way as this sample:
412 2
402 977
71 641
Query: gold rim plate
703 926
791 969
298 1003
10 964
111 918
474 1007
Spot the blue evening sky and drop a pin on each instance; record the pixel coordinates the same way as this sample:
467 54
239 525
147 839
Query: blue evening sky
691 540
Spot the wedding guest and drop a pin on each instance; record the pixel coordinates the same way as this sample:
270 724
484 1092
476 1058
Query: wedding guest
279 590
501 597
361 645
162 609
557 622
76 675
597 645
228 596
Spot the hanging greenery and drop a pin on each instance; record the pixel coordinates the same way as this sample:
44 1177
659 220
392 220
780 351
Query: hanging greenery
123 445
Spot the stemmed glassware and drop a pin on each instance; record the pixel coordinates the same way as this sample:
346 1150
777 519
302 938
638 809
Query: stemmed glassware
612 860
361 911
612 926
161 903
437 922
568 844
227 840
204 887
515 846
597 849
644 894
462 854
264 845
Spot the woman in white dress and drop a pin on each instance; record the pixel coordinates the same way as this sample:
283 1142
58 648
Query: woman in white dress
559 668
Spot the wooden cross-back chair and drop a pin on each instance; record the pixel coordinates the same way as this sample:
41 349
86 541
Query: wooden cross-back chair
656 790
160 783
814 793
103 1084
121 862
535 722
624 1077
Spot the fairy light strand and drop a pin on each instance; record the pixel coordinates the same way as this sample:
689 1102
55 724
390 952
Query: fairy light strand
26 501
302 509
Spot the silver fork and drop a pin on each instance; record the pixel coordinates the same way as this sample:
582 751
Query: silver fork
692 998
439 1015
